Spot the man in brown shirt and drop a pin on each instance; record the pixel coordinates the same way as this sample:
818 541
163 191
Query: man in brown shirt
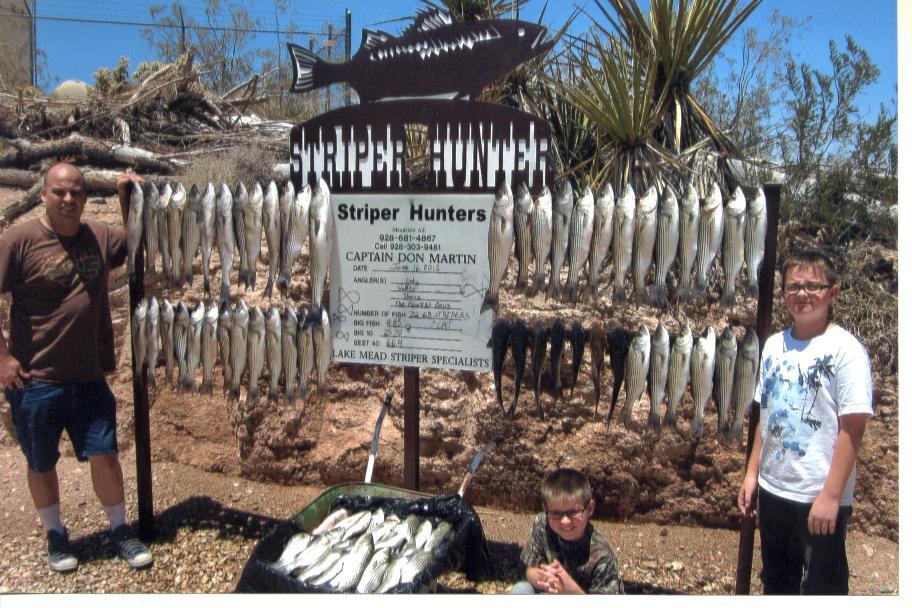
61 345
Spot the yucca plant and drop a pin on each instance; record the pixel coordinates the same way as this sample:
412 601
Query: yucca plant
470 10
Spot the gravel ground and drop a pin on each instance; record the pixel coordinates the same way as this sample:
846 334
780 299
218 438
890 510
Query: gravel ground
207 525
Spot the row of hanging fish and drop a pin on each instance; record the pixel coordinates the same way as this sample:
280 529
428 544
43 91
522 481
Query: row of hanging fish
287 346
175 226
662 363
641 233
362 552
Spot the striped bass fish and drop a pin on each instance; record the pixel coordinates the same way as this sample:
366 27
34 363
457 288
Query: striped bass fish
273 350
285 202
191 231
689 223
298 225
560 234
755 239
539 350
138 333
667 232
678 374
644 239
659 356
152 337
181 337
224 230
710 238
500 241
500 339
150 225
636 366
134 227
747 365
207 240
209 345
374 571
175 223
224 341
733 245
581 226
624 210
724 376
240 319
602 231
238 209
253 233
322 343
273 229
305 349
256 352
194 343
164 201
597 343
166 323
541 238
522 234
289 351
702 360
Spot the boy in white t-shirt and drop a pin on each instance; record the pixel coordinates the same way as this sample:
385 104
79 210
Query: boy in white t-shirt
814 395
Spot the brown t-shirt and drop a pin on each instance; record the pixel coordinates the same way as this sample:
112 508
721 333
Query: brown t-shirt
60 318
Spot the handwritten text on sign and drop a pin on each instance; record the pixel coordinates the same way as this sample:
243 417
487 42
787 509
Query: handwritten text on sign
407 278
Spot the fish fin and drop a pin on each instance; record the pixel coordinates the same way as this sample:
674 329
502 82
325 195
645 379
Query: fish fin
727 300
696 430
428 20
303 63
267 292
655 423
373 38
225 294
753 290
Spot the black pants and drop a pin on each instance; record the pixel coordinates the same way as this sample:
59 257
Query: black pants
794 560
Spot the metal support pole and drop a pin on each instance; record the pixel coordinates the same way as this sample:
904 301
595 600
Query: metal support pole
410 431
766 285
348 52
143 442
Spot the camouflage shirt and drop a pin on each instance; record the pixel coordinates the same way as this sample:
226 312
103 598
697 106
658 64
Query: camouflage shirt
590 561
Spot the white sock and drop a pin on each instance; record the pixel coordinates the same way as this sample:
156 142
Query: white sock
50 517
117 514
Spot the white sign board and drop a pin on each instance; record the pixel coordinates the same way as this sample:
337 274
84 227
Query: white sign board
407 279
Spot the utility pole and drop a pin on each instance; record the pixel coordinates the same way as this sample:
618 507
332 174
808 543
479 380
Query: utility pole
348 52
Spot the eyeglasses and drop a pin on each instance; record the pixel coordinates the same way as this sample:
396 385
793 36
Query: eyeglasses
809 288
572 514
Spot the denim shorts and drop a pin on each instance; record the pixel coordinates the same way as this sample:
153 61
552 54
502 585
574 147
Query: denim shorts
42 410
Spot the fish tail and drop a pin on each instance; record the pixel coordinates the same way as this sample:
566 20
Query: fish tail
696 429
206 387
489 302
267 292
225 294
753 290
660 294
728 300
670 417
655 423
284 280
303 62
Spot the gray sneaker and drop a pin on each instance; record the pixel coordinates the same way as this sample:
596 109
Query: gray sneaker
131 548
60 553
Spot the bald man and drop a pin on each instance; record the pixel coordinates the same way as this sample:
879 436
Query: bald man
60 348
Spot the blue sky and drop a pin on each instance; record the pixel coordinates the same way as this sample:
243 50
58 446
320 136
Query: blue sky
76 50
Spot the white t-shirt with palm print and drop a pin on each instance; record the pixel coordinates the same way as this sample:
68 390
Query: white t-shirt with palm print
804 386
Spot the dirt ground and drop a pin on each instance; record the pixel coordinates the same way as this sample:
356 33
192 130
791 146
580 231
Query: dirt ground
224 471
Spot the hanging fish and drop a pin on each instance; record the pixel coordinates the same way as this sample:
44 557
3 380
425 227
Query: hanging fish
191 231
253 232
164 202
678 373
560 234
306 358
209 345
288 197
558 335
224 341
238 209
322 342
578 339
175 222
500 340
181 337
636 367
138 326
134 227
500 241
207 234
520 336
689 222
724 376
644 237
194 343
541 239
298 215
166 331
667 231
733 245
256 352
658 373
273 229
624 221
618 345
597 342
273 350
150 227
153 337
522 234
710 237
224 230
747 364
539 350
289 351
581 225
755 239
240 319
602 231
321 233
702 360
